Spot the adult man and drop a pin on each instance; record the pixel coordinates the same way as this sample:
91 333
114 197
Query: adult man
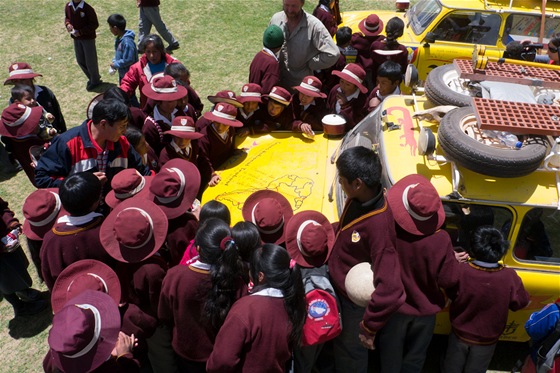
308 45
97 146
149 15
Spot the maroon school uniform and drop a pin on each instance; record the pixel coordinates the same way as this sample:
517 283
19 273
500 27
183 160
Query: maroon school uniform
363 46
312 115
169 152
194 100
137 322
327 18
152 160
264 71
282 122
153 131
353 111
377 59
20 150
180 232
214 150
252 122
137 117
82 19
122 364
248 341
201 123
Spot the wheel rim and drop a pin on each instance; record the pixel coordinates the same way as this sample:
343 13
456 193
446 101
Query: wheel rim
469 127
451 79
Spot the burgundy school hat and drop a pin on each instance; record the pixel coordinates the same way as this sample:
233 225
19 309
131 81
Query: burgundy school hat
353 73
163 88
86 274
127 184
224 113
309 238
41 210
250 92
185 128
94 101
226 96
416 205
134 230
311 86
280 95
84 332
372 25
175 187
20 120
270 211
20 70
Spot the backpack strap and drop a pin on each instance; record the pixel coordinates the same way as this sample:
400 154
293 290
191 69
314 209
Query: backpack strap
549 348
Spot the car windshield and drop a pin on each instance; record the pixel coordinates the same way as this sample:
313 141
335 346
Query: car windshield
422 14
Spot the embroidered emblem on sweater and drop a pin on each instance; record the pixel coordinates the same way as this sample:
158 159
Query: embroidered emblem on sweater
355 236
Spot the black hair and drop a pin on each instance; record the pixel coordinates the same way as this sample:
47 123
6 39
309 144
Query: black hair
394 30
215 209
111 110
216 249
488 244
360 163
176 69
390 70
133 135
117 20
343 36
325 2
555 41
18 91
156 41
247 238
79 193
117 93
274 262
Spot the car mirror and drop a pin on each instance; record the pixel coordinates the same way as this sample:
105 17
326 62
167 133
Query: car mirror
430 37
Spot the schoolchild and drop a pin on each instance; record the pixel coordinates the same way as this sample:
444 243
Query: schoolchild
427 265
149 158
75 236
347 55
126 53
324 13
248 341
279 114
165 92
81 22
225 96
183 76
23 94
309 106
248 239
365 233
127 184
388 80
183 142
196 298
349 96
251 113
389 49
370 31
265 68
486 290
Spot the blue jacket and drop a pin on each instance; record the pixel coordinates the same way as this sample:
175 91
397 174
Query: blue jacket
126 53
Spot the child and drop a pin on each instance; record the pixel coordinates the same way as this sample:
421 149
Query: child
389 78
279 115
265 69
479 310
183 143
248 239
370 30
24 94
126 53
248 340
250 114
324 13
149 15
197 298
347 55
81 23
126 184
138 141
389 48
309 106
182 75
349 96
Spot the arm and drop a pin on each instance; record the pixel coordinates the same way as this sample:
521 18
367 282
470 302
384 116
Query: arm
131 79
327 51
129 53
271 77
519 296
229 346
54 165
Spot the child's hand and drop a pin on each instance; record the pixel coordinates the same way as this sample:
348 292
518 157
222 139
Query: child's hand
49 117
69 27
374 102
214 180
306 128
125 344
52 131
341 98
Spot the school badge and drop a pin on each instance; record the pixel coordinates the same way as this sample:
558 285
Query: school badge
355 236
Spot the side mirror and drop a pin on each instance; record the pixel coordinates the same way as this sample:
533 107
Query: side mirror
430 37
411 76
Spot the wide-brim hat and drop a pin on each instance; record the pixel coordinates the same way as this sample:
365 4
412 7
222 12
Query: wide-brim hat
359 284
309 238
250 92
164 88
134 230
84 332
20 70
226 96
416 205
372 25
311 86
19 120
280 95
94 101
41 210
175 186
86 274
270 211
353 73
184 127
224 113
127 184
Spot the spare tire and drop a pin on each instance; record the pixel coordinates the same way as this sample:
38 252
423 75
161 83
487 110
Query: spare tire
463 143
444 87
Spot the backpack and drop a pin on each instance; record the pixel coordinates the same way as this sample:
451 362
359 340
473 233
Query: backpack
544 329
323 321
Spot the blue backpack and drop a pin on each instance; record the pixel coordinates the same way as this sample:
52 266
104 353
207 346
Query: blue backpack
544 329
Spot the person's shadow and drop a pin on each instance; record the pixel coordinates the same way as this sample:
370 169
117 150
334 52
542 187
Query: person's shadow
30 326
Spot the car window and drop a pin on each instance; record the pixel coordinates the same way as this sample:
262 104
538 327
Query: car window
469 27
527 27
422 14
539 237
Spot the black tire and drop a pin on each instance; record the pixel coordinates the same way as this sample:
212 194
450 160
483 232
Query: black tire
438 91
483 158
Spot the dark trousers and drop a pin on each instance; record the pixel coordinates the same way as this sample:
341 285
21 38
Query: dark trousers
463 357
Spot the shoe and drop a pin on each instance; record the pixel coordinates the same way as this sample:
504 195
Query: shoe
91 86
31 308
171 47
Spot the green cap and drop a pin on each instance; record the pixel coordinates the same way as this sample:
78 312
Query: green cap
273 37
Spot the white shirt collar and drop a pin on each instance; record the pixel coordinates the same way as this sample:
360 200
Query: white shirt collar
222 135
78 220
268 51
397 91
348 98
270 292
158 116
80 5
178 149
200 265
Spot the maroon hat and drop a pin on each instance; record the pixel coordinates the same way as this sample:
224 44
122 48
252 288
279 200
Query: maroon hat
20 120
84 332
225 96
134 230
164 88
354 74
280 95
309 238
250 92
20 70
41 210
94 101
225 114
86 274
311 86
416 205
175 187
269 211
126 184
185 128
371 26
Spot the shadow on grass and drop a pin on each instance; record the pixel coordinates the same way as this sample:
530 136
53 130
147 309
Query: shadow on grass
30 326
103 87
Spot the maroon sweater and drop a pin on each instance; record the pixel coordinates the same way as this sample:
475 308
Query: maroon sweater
353 111
264 71
169 152
180 232
327 18
83 20
254 123
248 341
313 115
214 150
282 122
363 46
480 302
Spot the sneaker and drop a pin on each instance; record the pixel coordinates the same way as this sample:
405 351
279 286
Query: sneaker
31 308
171 47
